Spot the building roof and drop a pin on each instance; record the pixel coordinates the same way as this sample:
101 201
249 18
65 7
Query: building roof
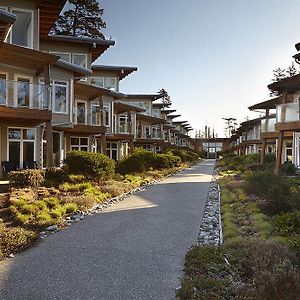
25 58
92 92
287 84
168 111
49 11
269 104
159 105
150 119
95 46
179 122
153 97
78 70
122 71
6 21
121 107
173 116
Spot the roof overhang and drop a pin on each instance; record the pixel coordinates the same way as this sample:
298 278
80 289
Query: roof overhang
121 107
121 70
152 97
173 116
77 70
25 58
269 104
150 119
49 11
95 46
289 84
168 111
91 92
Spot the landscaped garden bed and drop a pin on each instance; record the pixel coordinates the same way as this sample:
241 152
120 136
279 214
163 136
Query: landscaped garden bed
259 258
41 201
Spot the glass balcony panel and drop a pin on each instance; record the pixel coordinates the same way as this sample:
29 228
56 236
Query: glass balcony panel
288 112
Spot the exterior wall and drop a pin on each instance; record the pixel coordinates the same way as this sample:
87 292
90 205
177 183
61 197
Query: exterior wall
64 47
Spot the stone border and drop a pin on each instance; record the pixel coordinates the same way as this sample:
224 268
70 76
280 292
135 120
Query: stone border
210 232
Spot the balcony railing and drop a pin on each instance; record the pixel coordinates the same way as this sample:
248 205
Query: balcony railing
288 112
268 125
24 94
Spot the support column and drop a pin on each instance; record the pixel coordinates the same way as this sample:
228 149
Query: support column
131 147
101 110
279 152
49 139
263 151
103 144
129 120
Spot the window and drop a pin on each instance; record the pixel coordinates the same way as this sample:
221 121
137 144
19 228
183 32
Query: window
106 114
3 89
22 30
21 145
80 60
289 151
123 124
112 151
105 82
79 143
95 111
156 113
60 97
81 113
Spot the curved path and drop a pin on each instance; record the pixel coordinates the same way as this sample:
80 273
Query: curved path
133 250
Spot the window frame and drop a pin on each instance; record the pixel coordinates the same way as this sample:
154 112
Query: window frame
85 112
83 54
6 94
80 146
65 53
16 91
53 84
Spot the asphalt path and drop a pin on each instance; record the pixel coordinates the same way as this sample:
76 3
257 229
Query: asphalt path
132 250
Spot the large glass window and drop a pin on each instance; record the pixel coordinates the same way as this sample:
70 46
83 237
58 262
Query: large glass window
22 30
80 60
112 150
64 56
23 92
123 124
289 151
60 97
21 146
105 82
79 143
106 114
3 89
95 110
81 113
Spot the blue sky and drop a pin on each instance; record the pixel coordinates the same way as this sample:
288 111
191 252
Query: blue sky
215 58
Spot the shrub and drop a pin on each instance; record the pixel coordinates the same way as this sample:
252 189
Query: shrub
70 207
26 178
77 187
95 166
55 176
288 168
82 202
96 194
270 158
287 223
13 239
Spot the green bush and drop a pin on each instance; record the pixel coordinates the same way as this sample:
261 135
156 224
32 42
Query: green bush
270 158
287 224
142 160
26 178
55 176
288 169
186 156
94 166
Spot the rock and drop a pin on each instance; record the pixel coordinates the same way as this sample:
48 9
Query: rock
52 228
11 255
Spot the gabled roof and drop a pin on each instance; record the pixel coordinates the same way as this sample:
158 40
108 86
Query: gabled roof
269 104
49 11
288 84
95 46
152 97
25 58
122 71
6 21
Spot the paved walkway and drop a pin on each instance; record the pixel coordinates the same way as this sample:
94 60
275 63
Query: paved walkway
133 250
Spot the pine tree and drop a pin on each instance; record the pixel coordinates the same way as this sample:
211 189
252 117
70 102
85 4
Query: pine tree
166 99
278 74
291 70
83 19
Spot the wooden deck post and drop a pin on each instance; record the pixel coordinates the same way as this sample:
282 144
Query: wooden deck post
263 151
129 120
49 139
131 147
103 144
279 152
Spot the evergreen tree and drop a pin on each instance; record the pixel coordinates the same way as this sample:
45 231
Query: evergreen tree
83 19
166 99
291 70
278 74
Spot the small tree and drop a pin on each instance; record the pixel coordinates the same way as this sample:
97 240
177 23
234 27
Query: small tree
83 19
166 99
291 70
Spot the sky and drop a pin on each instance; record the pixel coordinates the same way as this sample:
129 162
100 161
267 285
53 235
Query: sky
214 57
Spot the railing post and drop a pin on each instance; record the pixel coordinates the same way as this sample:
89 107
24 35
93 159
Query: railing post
279 152
49 139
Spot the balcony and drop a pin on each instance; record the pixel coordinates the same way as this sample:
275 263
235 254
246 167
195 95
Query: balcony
287 116
268 125
24 102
